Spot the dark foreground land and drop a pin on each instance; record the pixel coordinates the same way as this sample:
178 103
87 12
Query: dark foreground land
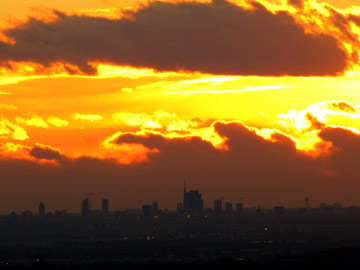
340 258
318 240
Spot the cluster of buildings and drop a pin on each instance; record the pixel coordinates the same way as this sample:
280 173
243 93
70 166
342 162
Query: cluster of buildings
86 207
192 206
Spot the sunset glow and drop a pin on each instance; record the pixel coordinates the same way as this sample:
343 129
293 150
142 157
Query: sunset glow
104 96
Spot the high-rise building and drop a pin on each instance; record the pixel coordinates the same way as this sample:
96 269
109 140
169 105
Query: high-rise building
258 210
218 207
307 202
42 212
85 207
27 214
105 206
146 210
279 209
155 208
193 203
228 207
239 208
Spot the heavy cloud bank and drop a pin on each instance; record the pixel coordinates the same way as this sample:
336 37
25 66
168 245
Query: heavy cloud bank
261 171
216 38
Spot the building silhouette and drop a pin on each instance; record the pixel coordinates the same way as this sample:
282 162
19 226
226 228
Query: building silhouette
239 207
85 207
218 207
228 207
155 208
193 203
42 212
179 208
105 207
307 202
146 210
279 210
301 210
258 210
27 214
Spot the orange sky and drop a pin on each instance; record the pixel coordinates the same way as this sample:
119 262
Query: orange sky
125 99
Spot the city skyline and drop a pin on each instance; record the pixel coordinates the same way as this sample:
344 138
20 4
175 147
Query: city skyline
192 204
179 134
219 206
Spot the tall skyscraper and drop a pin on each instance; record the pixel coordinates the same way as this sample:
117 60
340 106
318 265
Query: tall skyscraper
85 207
193 203
155 208
42 212
105 206
218 207
228 207
306 202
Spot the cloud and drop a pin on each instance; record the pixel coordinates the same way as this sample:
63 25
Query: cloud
156 121
344 160
251 166
296 3
45 152
4 93
38 153
341 21
16 131
254 166
8 107
257 164
319 114
11 130
56 121
216 38
168 125
355 19
137 119
306 124
9 150
87 117
127 90
342 106
227 91
35 121
315 123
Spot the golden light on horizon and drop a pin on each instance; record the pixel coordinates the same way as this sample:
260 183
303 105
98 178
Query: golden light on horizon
92 89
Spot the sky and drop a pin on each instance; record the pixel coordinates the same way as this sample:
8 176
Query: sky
253 101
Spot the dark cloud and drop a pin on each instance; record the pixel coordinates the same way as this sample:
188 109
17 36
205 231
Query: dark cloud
345 159
342 106
262 171
42 152
315 123
355 19
217 38
296 3
342 23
